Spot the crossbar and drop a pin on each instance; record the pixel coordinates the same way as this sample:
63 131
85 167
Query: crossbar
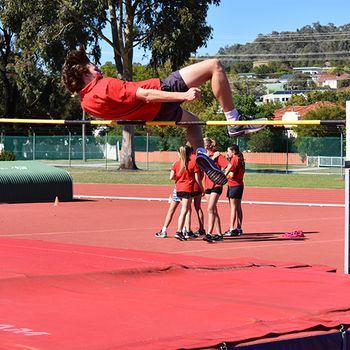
173 123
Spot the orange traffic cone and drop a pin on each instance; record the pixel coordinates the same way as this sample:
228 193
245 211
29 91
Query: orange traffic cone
56 202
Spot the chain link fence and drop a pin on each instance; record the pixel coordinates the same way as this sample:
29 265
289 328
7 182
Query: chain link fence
70 150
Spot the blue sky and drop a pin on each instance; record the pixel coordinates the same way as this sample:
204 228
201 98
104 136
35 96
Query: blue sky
236 21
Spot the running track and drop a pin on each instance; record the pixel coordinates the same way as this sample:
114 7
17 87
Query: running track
131 223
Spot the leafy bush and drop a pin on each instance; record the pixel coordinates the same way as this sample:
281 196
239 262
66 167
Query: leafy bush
7 155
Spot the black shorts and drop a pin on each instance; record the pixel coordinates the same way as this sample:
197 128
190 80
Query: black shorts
235 192
171 111
195 194
185 195
217 190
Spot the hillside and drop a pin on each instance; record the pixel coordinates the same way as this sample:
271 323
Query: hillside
309 45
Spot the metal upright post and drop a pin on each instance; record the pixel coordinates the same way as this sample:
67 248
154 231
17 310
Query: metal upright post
347 192
83 139
147 149
34 146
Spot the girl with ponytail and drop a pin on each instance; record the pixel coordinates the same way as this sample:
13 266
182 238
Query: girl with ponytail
185 173
235 190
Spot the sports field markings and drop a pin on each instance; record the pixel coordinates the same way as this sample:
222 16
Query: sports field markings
64 232
220 201
261 245
76 251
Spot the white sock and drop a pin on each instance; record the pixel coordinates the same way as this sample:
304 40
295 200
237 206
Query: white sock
164 229
232 115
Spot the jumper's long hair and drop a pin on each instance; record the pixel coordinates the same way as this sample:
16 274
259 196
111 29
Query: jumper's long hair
235 150
74 68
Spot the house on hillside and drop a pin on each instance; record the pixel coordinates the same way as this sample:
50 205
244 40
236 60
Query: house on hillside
312 70
330 80
281 96
294 113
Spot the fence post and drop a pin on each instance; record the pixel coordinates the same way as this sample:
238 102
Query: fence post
34 145
147 148
69 148
83 138
106 143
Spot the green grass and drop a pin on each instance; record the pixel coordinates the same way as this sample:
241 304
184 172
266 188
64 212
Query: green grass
161 177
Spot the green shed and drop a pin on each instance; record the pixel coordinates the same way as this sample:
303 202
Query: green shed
29 181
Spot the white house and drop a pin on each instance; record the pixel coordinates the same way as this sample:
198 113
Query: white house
331 80
281 96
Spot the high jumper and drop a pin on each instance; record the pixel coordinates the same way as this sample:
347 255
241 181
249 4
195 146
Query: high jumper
154 99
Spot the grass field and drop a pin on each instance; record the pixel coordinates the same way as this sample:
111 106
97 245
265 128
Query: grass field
161 177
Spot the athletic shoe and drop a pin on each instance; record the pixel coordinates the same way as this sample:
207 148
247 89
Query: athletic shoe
180 236
200 232
240 130
233 233
208 238
210 168
190 235
218 237
161 234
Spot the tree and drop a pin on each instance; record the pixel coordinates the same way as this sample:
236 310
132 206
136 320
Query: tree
171 29
34 36
311 140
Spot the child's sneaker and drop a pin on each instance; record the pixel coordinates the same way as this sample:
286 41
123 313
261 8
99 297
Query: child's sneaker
190 235
200 232
238 231
240 130
218 237
210 168
208 238
233 233
180 236
161 234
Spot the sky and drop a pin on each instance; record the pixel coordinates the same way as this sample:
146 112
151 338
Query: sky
239 22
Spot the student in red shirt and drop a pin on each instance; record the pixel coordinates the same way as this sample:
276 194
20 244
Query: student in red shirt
185 173
235 190
153 99
197 194
213 191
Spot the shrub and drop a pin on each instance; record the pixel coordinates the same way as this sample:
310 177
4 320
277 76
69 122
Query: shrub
7 155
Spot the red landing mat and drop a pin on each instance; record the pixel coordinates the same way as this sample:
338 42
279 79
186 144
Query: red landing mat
58 296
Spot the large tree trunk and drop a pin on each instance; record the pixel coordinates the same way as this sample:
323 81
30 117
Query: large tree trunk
128 149
128 146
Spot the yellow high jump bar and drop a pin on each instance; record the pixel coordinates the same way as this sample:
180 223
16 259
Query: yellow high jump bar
173 123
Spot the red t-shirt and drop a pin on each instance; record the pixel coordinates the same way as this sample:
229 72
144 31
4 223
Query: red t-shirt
185 179
238 172
196 187
222 163
111 98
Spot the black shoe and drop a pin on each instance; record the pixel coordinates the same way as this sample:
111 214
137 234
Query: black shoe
218 237
190 235
240 130
161 234
200 232
180 236
208 238
210 168
233 233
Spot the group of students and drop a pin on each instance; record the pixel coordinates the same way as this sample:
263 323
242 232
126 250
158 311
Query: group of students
191 184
